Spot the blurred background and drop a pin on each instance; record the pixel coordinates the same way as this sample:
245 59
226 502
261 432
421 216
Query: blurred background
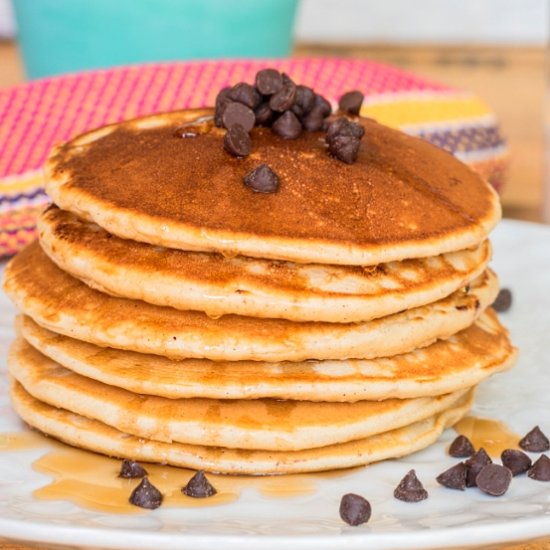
494 48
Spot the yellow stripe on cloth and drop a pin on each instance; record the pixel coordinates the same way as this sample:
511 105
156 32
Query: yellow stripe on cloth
407 112
29 181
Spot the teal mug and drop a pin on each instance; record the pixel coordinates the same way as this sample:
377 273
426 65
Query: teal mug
59 36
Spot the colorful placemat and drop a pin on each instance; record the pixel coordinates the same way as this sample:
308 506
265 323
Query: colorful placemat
36 116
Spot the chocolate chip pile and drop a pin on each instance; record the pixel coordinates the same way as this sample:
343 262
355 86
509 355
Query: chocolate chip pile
275 101
478 471
494 479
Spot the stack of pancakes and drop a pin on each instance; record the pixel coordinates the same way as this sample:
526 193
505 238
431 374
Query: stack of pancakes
171 314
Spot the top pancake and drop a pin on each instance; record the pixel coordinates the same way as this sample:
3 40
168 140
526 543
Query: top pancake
403 198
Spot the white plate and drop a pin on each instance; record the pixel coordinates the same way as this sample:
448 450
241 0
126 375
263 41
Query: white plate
447 519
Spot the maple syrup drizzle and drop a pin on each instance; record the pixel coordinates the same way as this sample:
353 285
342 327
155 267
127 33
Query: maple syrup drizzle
493 435
91 480
20 441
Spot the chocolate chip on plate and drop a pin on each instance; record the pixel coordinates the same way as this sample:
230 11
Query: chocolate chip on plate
474 465
131 469
199 487
354 509
540 470
410 489
246 94
283 99
262 180
516 461
287 126
535 441
461 447
269 81
494 479
351 102
237 113
146 495
454 477
237 141
503 301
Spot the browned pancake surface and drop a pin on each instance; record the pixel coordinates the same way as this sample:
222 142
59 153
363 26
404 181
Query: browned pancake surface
400 189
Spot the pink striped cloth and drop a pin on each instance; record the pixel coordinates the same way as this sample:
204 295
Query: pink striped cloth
36 116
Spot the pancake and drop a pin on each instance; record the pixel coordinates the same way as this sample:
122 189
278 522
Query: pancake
267 424
403 198
96 436
251 287
463 360
67 306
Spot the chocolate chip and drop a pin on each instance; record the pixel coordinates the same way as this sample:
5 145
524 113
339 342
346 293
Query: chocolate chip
146 495
264 114
314 121
237 113
222 100
540 470
475 464
237 141
298 111
535 441
516 461
344 148
461 447
323 105
305 100
262 180
283 99
245 94
344 127
199 487
410 489
351 102
269 81
131 469
287 126
494 479
454 477
503 300
354 509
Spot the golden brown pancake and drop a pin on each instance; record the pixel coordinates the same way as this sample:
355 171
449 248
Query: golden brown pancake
463 360
403 198
247 286
65 305
270 424
96 436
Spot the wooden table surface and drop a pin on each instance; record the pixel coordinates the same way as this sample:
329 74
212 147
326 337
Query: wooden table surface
511 80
